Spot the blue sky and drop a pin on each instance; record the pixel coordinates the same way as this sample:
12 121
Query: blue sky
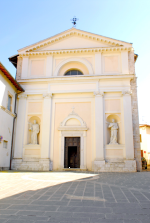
24 22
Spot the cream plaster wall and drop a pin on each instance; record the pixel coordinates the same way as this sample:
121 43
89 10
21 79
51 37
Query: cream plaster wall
74 42
111 63
34 111
84 111
104 90
37 68
6 119
101 63
73 86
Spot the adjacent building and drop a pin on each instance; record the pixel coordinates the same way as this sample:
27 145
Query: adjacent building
9 88
145 141
79 108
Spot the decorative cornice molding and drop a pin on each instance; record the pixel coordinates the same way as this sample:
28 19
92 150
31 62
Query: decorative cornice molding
7 111
73 115
126 93
22 96
87 50
83 34
73 59
98 93
47 95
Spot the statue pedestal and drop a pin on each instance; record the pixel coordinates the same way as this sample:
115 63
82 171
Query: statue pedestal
115 146
32 151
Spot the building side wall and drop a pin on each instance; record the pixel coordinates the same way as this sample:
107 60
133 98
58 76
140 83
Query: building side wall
19 68
145 144
6 126
131 62
6 119
135 121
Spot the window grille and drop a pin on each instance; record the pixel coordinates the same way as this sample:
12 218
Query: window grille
5 144
73 72
9 102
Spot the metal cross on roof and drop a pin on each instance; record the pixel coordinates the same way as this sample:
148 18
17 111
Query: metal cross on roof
74 21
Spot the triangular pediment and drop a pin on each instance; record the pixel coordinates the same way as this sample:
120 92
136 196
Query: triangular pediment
74 42
74 39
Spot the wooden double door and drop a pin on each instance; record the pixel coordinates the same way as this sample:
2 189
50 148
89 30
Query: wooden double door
72 152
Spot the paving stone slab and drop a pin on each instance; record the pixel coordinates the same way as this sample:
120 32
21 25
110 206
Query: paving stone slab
74 197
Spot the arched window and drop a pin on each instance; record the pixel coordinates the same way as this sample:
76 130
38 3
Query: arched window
73 72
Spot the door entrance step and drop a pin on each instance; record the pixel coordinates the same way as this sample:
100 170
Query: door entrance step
74 169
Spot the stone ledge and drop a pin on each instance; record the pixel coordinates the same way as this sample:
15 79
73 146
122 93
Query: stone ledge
40 165
124 166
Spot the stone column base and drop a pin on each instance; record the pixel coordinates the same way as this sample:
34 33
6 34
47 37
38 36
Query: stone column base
98 164
115 166
37 165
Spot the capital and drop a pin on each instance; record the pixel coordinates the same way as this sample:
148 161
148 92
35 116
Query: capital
47 95
98 93
126 93
22 96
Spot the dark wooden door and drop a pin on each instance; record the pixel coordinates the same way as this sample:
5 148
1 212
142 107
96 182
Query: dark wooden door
72 152
72 157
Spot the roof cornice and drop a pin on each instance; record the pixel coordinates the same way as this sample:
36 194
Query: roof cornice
83 78
73 32
81 50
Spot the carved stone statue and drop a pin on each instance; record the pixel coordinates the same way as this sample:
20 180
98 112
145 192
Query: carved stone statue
114 129
35 128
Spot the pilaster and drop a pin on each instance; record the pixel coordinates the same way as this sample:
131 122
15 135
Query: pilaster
124 58
46 127
49 66
19 136
25 65
99 126
128 128
98 66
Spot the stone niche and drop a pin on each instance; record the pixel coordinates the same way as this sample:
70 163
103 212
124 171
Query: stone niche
30 123
109 118
114 152
32 151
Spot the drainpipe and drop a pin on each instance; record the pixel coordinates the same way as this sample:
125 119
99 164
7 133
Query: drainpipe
13 129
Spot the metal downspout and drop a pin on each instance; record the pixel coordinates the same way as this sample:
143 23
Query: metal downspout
13 129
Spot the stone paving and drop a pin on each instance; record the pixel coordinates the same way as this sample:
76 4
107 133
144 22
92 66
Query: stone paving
69 197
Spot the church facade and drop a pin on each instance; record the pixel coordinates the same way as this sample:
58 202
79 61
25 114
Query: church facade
79 109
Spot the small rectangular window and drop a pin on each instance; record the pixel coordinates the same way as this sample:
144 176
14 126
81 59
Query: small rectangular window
140 138
5 144
9 102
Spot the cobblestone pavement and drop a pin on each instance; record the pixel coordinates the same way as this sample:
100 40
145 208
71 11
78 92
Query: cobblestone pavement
68 197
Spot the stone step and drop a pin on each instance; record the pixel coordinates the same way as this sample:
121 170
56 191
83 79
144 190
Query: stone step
74 169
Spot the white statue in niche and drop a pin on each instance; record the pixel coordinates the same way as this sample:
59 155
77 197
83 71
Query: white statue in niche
35 128
114 130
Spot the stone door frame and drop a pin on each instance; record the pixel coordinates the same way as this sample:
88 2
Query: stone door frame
82 135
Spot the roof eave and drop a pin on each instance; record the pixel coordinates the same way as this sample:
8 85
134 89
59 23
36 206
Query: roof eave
10 78
13 60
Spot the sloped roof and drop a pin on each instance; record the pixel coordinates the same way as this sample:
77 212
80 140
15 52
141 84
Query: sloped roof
71 32
143 125
10 78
